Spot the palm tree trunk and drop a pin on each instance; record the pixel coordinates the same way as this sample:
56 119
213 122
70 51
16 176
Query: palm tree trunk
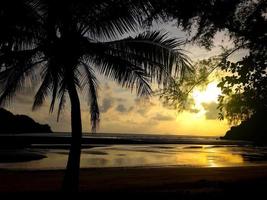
71 178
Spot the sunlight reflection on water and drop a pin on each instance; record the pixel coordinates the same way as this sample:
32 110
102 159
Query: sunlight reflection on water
151 155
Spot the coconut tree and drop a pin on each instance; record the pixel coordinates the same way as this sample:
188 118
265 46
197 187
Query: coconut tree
64 43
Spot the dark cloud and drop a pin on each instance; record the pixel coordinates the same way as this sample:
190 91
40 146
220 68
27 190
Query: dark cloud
131 109
142 111
121 108
120 99
211 110
143 105
106 104
161 117
109 101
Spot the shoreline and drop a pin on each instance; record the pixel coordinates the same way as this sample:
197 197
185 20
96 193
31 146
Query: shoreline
28 140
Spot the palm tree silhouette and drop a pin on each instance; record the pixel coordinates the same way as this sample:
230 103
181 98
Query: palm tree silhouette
66 42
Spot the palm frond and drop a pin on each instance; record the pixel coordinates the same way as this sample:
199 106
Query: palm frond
122 71
55 82
43 91
140 60
109 20
62 99
92 86
52 75
22 28
19 66
160 54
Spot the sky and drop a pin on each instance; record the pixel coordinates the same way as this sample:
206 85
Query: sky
124 112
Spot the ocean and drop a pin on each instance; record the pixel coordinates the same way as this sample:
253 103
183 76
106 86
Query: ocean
135 150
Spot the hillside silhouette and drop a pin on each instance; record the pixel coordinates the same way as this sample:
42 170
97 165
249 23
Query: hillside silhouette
16 124
253 129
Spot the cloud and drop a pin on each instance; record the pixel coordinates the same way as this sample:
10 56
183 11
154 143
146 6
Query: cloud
121 108
24 99
144 101
120 99
106 87
109 101
106 104
131 109
161 117
211 110
143 111
143 105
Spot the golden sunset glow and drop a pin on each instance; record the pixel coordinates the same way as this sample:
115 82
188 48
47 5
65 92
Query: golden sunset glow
209 94
129 114
205 96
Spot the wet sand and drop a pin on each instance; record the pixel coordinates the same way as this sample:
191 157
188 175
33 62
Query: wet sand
183 182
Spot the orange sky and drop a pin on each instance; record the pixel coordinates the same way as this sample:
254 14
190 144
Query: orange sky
124 112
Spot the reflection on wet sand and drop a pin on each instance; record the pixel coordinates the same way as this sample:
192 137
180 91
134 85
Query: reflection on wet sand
151 155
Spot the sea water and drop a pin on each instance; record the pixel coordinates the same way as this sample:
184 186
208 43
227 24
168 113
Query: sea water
184 152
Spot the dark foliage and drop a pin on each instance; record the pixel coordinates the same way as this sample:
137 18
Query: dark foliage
245 21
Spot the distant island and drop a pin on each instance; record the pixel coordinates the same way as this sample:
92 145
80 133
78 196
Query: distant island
13 144
254 129
16 124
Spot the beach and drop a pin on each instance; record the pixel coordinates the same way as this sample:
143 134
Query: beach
194 168
219 182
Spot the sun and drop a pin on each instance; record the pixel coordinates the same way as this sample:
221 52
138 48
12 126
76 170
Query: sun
208 95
